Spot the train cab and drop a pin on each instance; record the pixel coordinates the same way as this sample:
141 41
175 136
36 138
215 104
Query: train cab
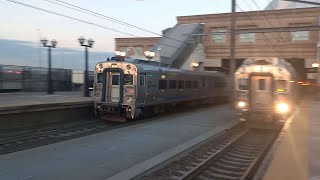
264 90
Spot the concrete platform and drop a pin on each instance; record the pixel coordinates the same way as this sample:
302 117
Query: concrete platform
297 154
107 154
38 101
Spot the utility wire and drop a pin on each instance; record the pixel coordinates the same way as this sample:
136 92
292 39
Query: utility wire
90 12
86 22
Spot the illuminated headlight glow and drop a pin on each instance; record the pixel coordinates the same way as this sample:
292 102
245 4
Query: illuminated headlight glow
282 107
114 65
241 104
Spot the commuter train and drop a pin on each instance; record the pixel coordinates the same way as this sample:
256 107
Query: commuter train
127 90
265 91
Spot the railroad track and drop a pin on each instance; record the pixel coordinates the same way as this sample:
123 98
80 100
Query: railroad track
49 136
233 155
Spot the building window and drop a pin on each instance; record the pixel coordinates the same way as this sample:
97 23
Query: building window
247 37
138 51
219 36
300 36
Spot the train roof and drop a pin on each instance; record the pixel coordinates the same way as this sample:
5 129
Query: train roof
149 66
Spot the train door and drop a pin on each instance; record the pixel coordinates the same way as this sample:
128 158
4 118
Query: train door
142 88
113 87
261 94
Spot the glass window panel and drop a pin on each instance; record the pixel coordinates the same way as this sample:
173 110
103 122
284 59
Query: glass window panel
219 36
163 84
115 79
142 80
247 37
262 85
300 36
128 79
172 84
243 84
181 84
281 85
99 77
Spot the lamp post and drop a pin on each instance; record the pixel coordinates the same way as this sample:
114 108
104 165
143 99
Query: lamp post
149 54
87 45
120 55
54 43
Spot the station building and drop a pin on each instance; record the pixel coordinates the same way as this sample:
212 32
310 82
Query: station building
203 41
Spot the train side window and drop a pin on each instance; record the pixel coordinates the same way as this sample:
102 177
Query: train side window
172 84
142 80
99 77
280 85
188 84
262 85
195 85
115 79
180 84
203 82
163 84
243 84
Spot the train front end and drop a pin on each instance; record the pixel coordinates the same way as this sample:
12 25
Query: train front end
263 92
115 91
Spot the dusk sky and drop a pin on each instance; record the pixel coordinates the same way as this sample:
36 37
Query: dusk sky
26 24
21 23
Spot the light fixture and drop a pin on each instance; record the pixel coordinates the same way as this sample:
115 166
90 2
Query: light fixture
118 53
81 40
149 54
54 43
315 65
90 42
122 54
44 41
195 65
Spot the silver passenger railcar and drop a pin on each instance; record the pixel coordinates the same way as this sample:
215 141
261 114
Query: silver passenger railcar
265 91
126 90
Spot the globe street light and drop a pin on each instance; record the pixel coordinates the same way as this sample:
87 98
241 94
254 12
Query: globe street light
53 44
120 55
315 65
89 44
149 54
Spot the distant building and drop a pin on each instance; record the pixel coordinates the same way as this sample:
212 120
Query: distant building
213 52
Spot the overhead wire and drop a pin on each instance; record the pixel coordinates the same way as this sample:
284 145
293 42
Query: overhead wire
87 22
108 18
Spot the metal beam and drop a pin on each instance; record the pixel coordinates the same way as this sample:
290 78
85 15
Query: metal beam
279 29
265 30
304 2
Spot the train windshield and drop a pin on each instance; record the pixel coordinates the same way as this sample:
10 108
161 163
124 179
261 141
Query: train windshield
99 77
280 85
128 79
243 84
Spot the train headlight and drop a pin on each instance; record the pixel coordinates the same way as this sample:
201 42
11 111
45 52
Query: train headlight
241 104
282 107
